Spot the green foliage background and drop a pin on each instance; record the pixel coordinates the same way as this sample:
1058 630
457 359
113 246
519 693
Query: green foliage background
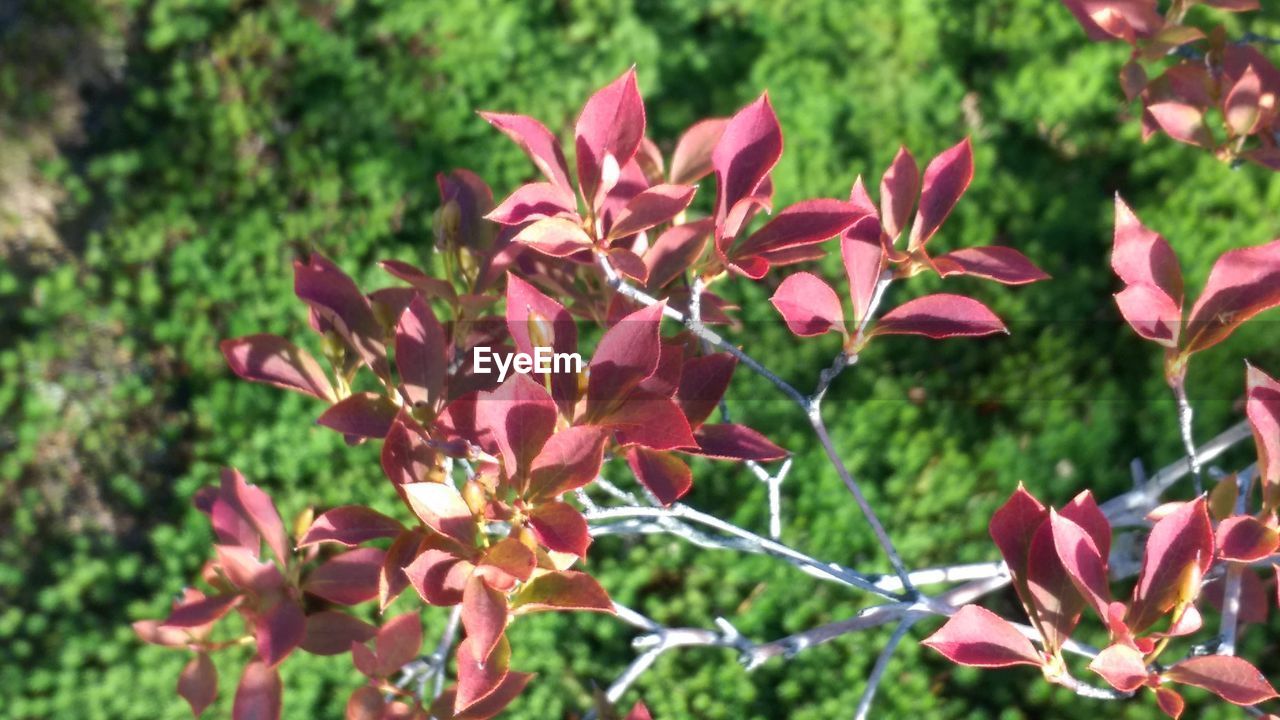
231 134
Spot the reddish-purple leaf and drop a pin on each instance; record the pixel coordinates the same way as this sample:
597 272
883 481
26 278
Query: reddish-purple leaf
521 416
654 206
484 616
692 158
1083 561
198 683
940 316
1013 526
259 695
366 414
639 712
730 441
332 294
421 354
945 180
569 460
675 251
1170 702
564 590
651 420
560 528
1151 313
508 689
1054 598
1083 510
977 637
505 563
1255 600
1179 552
535 201
406 455
899 188
430 287
664 474
243 569
1241 107
627 354
529 312
273 360
1242 283
202 611
366 703
392 579
629 264
279 630
478 679
1263 409
864 258
442 508
1139 17
703 381
347 579
350 525
808 305
557 237
1140 256
993 262
805 223
254 505
1231 678
1244 538
330 632
538 143
439 577
155 633
611 126
1121 666
747 151
399 641
1182 122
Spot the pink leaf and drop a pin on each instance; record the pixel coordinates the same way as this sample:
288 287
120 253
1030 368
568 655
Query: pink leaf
505 563
200 612
1179 552
557 237
692 158
864 259
747 151
1013 526
1170 702
1138 16
538 143
198 683
1182 122
1262 405
1242 283
735 442
279 630
1002 264
655 206
703 381
508 689
392 579
439 577
421 354
243 569
629 264
804 223
564 590
1083 561
399 642
1244 538
259 694
406 457
675 251
1241 107
1054 598
478 679
255 506
611 125
808 305
560 528
945 180
442 508
978 637
332 294
1151 313
940 316
527 309
273 360
366 415
627 354
662 473
347 579
1231 678
1083 510
651 420
568 461
366 703
1121 666
899 189
521 416
350 525
639 712
535 201
330 632
1141 256
484 615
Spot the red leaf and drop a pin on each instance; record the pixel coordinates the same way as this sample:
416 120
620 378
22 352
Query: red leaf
1263 408
703 381
1002 264
557 237
521 416
366 703
808 305
1141 256
692 158
506 562
538 143
155 633
273 360
350 525
243 569
430 287
484 615
442 508
730 441
421 354
1170 702
805 223
439 577
629 264
662 473
254 505
512 684
639 712
747 151
406 455
627 354
564 590
654 206
478 679
899 188
675 251
978 637
259 694
1182 122
611 125
1242 283
1240 108
1139 17
201 612
399 641
568 461
364 414
330 632
940 316
1244 538
1121 666
1179 551
1082 560
1013 526
279 630
535 201
945 180
555 326
392 579
347 579
1231 678
198 683
1054 598
1151 313
332 294
863 257
560 528
651 420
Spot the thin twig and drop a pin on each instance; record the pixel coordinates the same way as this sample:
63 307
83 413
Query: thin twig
882 664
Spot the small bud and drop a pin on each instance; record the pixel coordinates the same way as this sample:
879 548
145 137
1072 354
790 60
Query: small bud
474 496
448 225
303 520
541 332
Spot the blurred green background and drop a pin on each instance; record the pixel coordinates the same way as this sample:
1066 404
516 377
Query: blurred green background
162 161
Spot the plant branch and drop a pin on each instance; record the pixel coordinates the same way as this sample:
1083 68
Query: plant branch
882 664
